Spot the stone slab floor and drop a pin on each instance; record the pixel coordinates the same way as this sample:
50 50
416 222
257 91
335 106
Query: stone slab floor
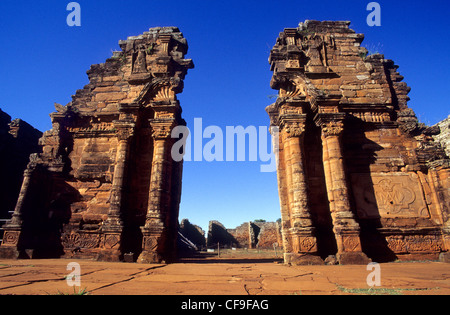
48 277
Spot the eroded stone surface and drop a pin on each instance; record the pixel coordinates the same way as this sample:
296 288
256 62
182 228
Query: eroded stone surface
444 136
46 277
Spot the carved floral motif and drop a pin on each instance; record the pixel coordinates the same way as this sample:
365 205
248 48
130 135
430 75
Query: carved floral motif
80 240
414 243
294 129
332 128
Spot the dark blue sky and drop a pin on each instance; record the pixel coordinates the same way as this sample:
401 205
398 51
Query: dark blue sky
43 61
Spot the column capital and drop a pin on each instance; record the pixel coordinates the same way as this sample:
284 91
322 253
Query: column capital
293 124
161 128
125 129
332 128
331 124
294 129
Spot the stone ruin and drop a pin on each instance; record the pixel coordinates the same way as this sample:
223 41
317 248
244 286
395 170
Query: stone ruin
257 234
105 184
444 136
18 140
358 176
191 236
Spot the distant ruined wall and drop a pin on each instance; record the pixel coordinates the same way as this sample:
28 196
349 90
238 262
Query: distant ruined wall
261 235
193 233
269 235
219 235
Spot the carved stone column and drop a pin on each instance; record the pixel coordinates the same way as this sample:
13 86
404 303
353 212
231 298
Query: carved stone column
278 146
159 196
113 226
16 220
125 131
301 233
345 227
13 228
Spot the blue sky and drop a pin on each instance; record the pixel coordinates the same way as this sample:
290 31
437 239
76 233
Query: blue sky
45 61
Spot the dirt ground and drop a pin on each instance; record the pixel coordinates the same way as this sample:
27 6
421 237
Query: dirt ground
219 276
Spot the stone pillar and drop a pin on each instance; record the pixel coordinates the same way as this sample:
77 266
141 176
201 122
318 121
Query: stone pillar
113 226
277 143
154 231
303 240
345 227
302 229
13 228
10 248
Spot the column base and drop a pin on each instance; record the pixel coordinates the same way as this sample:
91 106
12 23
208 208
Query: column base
9 252
444 257
109 255
297 259
147 257
153 237
353 258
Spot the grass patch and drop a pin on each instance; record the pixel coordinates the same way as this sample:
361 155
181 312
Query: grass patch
79 292
379 291
371 291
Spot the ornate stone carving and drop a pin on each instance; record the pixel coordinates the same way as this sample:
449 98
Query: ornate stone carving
396 244
389 195
89 240
111 241
424 243
11 238
140 63
151 243
307 244
74 240
314 46
71 240
161 132
294 129
125 133
332 128
402 244
351 243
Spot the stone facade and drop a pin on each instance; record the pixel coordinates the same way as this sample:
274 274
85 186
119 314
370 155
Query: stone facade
105 183
347 137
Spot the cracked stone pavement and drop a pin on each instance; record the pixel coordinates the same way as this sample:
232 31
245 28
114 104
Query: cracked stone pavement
42 277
